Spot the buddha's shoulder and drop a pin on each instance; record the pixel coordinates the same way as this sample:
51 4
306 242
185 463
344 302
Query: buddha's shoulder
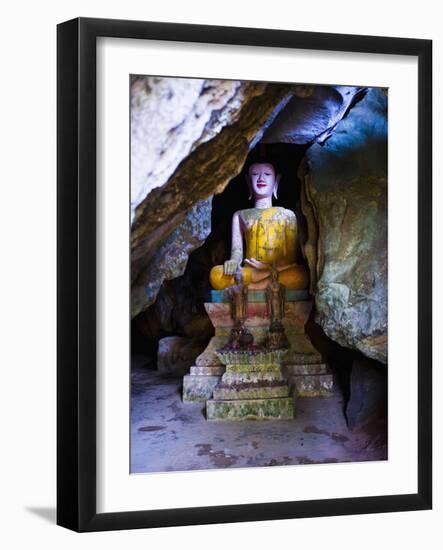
286 212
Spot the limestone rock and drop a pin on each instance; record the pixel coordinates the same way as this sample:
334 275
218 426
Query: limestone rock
170 258
170 117
176 354
345 192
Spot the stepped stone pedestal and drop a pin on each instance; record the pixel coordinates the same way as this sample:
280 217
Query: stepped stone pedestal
302 367
253 387
310 380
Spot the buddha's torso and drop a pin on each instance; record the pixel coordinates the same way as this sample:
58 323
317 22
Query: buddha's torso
270 234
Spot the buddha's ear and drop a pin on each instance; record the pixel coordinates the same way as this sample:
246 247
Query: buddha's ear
248 183
277 181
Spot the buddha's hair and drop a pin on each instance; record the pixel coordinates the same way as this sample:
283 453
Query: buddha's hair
261 159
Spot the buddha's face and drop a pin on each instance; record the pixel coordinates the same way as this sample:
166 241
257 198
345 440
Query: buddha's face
263 179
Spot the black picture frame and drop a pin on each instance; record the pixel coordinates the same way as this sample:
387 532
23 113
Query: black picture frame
76 265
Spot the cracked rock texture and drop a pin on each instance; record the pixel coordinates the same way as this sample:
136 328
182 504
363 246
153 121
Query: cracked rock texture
345 198
170 117
170 258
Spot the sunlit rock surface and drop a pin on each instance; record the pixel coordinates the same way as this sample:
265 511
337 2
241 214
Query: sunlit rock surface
345 196
170 117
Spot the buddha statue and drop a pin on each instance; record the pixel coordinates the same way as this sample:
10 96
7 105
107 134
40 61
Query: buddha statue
262 237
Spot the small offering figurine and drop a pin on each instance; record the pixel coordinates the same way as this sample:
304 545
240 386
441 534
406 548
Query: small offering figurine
238 295
240 336
275 301
275 298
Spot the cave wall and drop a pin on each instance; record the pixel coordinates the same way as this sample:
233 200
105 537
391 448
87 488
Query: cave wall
170 117
344 200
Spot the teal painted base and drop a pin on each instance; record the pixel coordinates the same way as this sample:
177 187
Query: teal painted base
220 296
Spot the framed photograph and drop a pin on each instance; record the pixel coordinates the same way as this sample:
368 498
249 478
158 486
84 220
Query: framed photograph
244 274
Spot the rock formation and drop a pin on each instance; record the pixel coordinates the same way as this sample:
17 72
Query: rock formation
345 200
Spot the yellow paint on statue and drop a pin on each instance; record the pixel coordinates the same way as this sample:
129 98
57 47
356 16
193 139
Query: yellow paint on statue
294 277
271 238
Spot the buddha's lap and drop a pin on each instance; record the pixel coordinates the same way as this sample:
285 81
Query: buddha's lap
294 277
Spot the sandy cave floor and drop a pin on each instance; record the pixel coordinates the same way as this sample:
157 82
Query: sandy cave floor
169 435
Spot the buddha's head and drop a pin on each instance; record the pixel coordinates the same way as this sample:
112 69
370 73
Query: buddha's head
262 179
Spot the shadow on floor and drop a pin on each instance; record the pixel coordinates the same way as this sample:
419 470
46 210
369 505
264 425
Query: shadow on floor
48 514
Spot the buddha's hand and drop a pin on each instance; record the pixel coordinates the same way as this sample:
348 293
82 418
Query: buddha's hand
257 264
230 267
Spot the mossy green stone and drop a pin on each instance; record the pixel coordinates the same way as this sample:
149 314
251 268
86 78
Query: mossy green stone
240 357
281 408
306 369
207 371
257 367
318 385
263 378
251 392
